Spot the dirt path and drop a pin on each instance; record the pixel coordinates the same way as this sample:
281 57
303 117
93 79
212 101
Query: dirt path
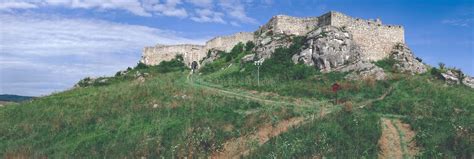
242 146
250 95
396 140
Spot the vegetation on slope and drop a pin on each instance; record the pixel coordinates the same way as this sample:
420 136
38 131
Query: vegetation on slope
167 116
440 114
161 117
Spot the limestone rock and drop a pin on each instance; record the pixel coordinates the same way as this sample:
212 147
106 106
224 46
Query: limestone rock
450 77
90 81
248 58
331 48
361 70
210 57
328 48
267 43
406 61
469 81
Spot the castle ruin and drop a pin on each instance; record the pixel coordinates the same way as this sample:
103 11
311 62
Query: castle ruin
375 39
154 55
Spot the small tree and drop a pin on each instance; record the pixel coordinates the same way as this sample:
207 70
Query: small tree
249 46
441 66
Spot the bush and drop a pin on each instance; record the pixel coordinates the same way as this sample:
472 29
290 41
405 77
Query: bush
386 64
280 64
436 73
249 46
175 64
141 65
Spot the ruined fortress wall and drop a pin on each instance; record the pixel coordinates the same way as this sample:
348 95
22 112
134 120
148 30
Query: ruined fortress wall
226 43
282 24
154 55
375 39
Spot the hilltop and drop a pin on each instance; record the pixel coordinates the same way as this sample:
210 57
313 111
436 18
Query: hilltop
391 105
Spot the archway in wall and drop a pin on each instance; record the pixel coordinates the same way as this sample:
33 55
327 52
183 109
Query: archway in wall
194 65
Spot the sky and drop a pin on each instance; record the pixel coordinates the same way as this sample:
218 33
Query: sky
47 46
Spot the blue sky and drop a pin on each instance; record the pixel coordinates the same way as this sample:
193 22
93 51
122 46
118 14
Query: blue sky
48 45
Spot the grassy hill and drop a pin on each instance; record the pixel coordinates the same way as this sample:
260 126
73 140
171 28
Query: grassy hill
223 113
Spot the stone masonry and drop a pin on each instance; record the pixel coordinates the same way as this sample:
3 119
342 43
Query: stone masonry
154 55
375 39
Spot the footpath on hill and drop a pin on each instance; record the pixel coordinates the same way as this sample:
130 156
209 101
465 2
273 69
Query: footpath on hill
396 140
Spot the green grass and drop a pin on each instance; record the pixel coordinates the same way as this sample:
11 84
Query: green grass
339 135
169 116
120 120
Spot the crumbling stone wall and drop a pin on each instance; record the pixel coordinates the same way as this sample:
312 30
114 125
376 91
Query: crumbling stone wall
375 39
226 43
154 55
283 24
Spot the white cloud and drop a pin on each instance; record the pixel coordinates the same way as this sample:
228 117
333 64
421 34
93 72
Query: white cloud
235 9
133 6
206 15
39 54
202 3
169 8
205 10
463 22
9 5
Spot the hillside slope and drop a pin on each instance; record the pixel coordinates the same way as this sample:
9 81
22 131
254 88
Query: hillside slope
162 111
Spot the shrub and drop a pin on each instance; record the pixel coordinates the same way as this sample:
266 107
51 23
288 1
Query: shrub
442 66
175 64
249 46
141 65
386 64
436 73
348 106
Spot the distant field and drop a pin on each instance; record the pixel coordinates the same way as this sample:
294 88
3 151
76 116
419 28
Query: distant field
14 98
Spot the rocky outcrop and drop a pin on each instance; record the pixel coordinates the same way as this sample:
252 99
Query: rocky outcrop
406 61
452 77
210 57
268 42
362 70
328 48
468 81
248 58
331 48
91 81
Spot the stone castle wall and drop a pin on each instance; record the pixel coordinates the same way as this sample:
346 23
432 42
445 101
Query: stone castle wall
375 39
154 55
283 24
226 43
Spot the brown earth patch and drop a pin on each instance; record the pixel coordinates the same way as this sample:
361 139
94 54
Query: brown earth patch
395 135
238 147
